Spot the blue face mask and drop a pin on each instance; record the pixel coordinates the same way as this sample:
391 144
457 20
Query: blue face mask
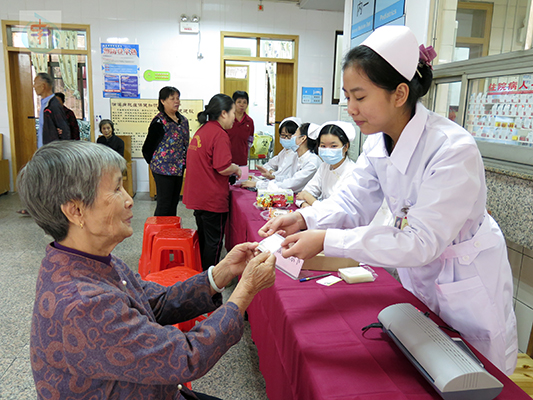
330 156
289 144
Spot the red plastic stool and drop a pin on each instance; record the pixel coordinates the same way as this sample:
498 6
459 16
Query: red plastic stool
176 240
152 226
169 277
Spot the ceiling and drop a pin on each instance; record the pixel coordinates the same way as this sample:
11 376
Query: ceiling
323 5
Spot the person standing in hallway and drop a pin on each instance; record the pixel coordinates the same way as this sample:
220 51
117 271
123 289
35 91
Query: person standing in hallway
53 124
165 149
241 135
71 117
210 165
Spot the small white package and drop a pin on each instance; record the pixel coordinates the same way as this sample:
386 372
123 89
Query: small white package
356 275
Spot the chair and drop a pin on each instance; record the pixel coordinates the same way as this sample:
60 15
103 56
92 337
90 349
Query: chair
152 226
130 175
169 277
172 241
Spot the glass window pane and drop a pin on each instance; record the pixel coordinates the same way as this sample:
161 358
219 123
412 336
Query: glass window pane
243 47
277 48
500 109
447 100
471 22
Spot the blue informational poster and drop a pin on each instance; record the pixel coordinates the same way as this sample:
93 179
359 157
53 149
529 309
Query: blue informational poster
387 11
120 68
312 95
362 17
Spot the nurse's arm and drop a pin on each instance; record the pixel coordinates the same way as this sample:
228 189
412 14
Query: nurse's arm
284 225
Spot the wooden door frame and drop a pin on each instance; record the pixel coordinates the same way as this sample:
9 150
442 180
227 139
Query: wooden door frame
259 36
9 49
485 40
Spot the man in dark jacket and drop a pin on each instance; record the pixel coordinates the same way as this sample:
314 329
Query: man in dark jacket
71 118
53 123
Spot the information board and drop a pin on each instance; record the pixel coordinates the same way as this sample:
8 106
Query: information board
133 117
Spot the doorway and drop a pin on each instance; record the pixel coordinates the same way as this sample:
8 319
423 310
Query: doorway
24 58
271 74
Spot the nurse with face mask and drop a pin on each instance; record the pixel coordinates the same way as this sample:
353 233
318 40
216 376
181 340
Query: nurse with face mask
305 165
448 251
333 143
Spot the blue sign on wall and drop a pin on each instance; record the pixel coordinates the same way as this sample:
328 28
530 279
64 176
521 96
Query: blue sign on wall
312 95
362 17
387 11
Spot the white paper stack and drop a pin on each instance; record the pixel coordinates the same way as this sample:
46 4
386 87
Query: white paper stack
356 275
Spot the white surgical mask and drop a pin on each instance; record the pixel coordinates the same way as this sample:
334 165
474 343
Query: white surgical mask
330 156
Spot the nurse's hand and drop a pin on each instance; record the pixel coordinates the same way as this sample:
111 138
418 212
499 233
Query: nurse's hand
264 172
284 225
248 184
304 245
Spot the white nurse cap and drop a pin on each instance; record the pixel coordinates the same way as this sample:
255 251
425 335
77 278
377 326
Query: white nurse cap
346 127
296 120
398 46
313 131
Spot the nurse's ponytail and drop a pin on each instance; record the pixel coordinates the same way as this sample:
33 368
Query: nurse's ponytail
385 76
218 103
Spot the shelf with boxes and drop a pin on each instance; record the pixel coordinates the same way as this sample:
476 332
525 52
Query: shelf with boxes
504 118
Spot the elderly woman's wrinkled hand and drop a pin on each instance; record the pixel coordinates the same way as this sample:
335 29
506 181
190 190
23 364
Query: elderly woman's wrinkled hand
260 273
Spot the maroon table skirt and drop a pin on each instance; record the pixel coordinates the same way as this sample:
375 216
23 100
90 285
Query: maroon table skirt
309 337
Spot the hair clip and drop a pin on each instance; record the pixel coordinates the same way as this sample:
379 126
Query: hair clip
426 55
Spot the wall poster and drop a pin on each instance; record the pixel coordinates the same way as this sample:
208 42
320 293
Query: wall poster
133 117
120 68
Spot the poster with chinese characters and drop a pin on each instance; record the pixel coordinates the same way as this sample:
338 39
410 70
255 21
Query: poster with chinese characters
120 68
133 117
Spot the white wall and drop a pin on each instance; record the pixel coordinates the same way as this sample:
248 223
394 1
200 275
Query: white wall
154 26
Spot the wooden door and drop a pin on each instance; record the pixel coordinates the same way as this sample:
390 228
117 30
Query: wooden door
285 97
231 85
24 133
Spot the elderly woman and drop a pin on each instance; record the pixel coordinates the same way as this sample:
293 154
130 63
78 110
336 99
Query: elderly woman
98 330
108 138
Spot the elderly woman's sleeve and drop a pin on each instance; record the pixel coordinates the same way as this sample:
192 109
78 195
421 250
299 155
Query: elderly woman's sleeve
110 337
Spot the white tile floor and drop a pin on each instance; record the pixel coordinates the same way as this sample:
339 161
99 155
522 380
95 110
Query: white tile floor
22 244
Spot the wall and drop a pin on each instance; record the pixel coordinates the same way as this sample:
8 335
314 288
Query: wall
154 26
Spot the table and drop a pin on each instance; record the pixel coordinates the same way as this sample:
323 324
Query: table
309 337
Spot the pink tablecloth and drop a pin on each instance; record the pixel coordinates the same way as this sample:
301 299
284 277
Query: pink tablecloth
309 336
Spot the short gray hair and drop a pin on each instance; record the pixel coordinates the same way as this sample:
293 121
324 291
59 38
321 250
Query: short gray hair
46 79
62 171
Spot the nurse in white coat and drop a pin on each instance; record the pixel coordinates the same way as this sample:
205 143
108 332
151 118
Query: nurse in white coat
307 163
333 142
284 164
449 251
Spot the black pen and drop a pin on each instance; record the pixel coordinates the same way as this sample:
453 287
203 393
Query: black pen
314 277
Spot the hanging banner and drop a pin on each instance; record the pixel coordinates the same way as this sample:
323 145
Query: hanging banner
120 68
133 117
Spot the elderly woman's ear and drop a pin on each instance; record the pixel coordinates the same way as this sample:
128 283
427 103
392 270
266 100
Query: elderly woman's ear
73 211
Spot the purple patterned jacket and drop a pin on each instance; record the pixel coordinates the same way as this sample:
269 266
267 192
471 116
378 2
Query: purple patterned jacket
100 332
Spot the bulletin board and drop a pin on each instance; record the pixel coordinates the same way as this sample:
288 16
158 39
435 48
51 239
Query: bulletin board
133 117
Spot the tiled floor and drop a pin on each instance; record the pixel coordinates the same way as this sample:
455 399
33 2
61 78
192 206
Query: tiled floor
22 245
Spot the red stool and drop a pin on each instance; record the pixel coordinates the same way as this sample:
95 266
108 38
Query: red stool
170 241
169 277
151 227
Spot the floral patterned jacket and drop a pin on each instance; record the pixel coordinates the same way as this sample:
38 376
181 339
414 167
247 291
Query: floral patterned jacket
100 332
169 157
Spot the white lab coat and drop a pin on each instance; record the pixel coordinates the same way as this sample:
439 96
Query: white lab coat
306 167
326 179
452 254
284 164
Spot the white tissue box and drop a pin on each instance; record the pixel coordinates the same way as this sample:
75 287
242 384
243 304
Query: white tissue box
356 275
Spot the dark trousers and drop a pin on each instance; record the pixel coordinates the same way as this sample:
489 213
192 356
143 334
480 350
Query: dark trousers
168 194
210 234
